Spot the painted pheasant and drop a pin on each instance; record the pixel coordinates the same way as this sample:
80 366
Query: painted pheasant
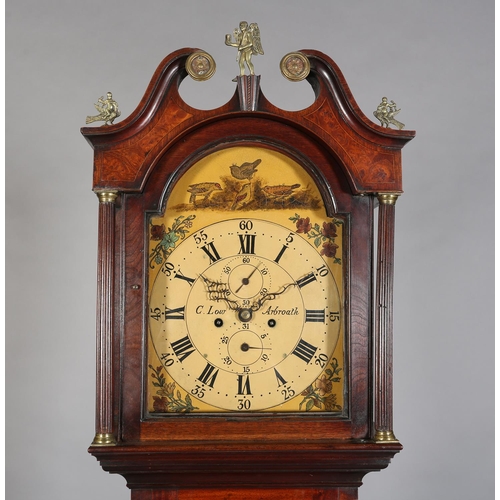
204 189
245 170
280 191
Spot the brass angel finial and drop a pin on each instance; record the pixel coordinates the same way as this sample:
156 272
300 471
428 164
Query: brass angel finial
386 111
108 110
247 41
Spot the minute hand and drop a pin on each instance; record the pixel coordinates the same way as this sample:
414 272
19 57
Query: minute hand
270 296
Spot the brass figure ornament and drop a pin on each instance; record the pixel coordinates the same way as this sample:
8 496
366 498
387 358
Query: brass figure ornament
247 41
108 110
385 113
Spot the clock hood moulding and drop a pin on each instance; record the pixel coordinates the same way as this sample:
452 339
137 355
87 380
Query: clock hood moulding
126 152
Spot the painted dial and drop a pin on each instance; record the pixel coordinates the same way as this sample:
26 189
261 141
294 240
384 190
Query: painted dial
244 315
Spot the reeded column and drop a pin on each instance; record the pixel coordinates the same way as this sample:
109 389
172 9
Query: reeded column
248 91
104 379
384 319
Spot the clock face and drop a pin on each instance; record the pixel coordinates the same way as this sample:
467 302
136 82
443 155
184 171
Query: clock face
245 304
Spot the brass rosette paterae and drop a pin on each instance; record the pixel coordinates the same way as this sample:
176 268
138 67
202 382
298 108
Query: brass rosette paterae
200 66
295 66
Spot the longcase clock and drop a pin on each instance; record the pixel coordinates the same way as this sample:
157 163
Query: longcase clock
244 333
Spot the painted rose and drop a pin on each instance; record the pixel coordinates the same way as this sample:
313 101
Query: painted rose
329 249
303 225
323 385
160 404
157 232
329 230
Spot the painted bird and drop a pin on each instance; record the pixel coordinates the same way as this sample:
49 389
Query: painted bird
245 170
242 198
280 191
204 189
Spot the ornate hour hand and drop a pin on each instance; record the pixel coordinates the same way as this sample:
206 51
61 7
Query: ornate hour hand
270 296
218 291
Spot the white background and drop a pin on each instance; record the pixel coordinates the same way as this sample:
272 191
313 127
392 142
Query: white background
433 57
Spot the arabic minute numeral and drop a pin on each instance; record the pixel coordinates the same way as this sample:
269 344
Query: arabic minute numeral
244 404
321 360
200 237
246 225
155 313
198 391
166 358
288 393
334 316
167 269
322 271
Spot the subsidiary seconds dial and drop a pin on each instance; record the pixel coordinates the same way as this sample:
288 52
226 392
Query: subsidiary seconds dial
244 315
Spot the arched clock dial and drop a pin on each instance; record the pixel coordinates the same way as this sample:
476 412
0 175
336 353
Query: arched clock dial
244 315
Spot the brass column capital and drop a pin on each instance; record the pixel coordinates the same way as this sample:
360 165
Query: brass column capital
387 198
107 196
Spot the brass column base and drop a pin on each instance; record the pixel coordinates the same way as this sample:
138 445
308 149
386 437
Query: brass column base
383 437
106 439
